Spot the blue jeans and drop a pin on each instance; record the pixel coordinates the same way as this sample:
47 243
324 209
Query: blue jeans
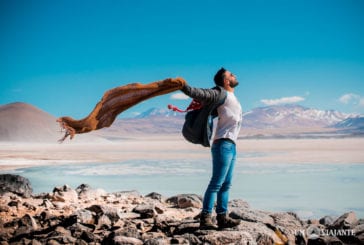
223 162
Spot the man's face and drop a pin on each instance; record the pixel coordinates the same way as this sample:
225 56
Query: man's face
232 81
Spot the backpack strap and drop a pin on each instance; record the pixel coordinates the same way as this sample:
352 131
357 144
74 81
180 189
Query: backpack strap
194 105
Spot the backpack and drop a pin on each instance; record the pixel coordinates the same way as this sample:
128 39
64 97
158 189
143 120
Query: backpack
198 124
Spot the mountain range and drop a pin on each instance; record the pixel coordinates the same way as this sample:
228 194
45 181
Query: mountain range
24 122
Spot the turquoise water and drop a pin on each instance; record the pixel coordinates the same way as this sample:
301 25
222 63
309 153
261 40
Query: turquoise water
310 190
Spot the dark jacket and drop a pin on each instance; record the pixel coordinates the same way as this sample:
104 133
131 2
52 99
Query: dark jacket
198 124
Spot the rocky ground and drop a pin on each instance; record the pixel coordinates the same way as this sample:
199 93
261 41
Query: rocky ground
92 216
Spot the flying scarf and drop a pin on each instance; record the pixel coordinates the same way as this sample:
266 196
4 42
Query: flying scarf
114 102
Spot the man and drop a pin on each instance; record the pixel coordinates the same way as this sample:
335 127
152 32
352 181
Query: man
223 149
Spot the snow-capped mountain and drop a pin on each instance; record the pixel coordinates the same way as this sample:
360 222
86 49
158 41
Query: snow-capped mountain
352 122
158 112
288 116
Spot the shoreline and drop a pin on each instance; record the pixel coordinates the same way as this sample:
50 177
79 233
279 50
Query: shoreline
86 215
15 155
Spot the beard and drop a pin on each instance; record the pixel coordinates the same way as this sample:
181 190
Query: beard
233 83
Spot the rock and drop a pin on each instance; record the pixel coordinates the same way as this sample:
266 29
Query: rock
313 222
29 206
158 241
78 229
327 220
111 212
127 194
155 196
324 240
123 240
64 194
186 201
286 226
228 237
264 239
238 203
262 232
85 216
89 237
85 192
345 221
4 208
123 236
145 211
252 215
14 204
103 222
47 204
15 184
29 222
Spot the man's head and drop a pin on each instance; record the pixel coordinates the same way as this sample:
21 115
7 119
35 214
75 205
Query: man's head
225 79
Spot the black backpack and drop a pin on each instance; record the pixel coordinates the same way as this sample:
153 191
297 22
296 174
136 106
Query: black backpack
198 125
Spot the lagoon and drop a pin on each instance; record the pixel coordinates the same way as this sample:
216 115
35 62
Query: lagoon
310 190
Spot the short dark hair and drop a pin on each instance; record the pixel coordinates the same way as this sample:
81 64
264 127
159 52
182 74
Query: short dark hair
220 76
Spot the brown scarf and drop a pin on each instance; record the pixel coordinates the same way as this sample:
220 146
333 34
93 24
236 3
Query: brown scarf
114 102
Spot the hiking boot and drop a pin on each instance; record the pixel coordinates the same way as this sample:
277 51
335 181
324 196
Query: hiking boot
224 221
206 222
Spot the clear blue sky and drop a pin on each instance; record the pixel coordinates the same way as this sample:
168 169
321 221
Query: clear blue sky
62 55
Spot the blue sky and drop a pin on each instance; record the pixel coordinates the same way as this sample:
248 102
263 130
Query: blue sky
62 55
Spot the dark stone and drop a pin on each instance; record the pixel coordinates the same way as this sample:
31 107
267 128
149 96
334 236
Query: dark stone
155 196
146 211
29 222
327 220
15 184
14 203
29 206
82 188
89 237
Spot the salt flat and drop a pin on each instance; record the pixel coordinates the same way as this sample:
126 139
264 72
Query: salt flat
20 155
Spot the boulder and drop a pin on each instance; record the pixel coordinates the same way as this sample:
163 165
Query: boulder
261 232
345 221
155 196
286 226
85 216
111 212
146 211
327 220
186 201
252 215
15 184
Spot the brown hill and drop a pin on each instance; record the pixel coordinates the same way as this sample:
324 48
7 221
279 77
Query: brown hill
26 123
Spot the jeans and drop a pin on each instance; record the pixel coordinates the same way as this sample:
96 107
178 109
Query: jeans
223 162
